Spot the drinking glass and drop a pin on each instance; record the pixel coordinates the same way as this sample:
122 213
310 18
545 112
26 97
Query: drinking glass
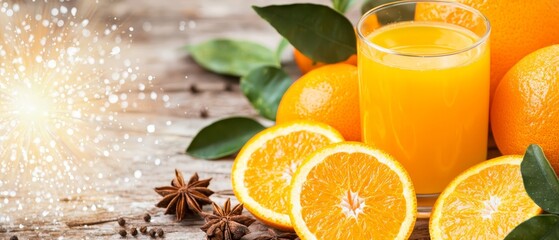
424 88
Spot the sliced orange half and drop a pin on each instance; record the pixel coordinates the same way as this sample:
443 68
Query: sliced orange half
352 191
485 202
264 167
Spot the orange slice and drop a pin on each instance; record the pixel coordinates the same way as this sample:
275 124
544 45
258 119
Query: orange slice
485 202
264 167
352 191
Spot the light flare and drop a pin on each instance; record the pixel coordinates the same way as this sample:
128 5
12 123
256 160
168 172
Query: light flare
63 83
29 107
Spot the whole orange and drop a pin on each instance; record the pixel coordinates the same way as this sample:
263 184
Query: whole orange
526 105
329 94
306 64
519 27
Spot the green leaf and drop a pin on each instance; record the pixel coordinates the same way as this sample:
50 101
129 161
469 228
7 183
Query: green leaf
319 32
540 181
542 227
281 47
231 57
264 87
342 5
399 13
223 138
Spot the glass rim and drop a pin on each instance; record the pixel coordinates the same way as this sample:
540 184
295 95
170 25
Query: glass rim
480 41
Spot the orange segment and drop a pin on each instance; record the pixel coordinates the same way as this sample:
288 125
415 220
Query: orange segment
351 191
485 202
264 167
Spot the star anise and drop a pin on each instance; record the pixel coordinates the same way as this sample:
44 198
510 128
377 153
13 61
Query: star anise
226 223
270 235
183 198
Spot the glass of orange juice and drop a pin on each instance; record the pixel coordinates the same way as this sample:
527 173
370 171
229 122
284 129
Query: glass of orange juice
424 88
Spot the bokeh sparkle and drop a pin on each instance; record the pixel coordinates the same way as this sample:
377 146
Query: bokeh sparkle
63 83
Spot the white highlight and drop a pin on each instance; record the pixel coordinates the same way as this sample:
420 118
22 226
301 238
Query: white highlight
491 206
352 204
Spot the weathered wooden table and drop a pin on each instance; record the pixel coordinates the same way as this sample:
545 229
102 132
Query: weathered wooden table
162 28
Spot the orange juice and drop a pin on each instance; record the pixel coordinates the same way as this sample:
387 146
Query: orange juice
424 92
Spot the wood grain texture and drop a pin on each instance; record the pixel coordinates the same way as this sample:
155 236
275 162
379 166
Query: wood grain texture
162 29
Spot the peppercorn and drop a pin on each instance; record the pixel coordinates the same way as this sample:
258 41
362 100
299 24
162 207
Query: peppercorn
144 229
122 232
147 217
121 221
152 233
134 232
160 232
